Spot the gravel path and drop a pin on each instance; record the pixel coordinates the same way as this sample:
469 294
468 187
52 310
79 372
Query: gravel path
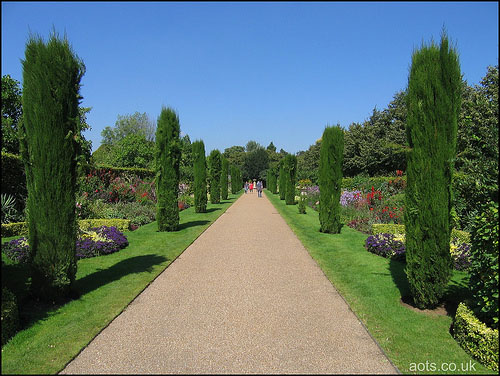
245 297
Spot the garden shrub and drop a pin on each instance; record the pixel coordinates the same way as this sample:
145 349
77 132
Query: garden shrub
386 245
168 159
433 102
484 269
330 179
10 315
120 224
461 236
49 147
475 337
282 179
14 229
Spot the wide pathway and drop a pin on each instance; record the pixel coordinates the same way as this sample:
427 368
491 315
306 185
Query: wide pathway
245 297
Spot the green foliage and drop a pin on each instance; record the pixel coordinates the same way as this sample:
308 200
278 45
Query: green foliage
215 171
133 151
236 180
49 147
235 155
255 163
477 149
433 105
282 179
11 114
302 204
308 163
10 315
330 179
186 166
475 337
484 269
272 185
168 158
14 179
290 173
223 179
138 124
200 177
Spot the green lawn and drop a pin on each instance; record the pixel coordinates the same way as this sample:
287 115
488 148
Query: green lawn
107 284
372 286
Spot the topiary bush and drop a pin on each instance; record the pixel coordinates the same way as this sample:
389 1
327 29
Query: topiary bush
290 173
330 179
168 159
215 171
475 337
484 268
223 178
49 147
433 102
10 315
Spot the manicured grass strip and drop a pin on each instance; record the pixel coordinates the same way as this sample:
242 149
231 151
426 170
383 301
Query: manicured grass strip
372 286
107 284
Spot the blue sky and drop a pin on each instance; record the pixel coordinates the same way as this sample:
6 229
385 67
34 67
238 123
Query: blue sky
245 71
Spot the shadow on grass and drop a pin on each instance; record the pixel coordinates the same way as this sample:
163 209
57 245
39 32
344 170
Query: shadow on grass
185 225
137 264
211 210
32 310
397 269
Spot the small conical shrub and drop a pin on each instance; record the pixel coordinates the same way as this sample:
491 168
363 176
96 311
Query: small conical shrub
215 169
48 143
330 179
200 177
168 159
434 92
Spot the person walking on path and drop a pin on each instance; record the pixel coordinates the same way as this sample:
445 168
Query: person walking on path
251 187
259 188
246 187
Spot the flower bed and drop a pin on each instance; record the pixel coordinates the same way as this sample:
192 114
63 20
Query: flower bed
93 242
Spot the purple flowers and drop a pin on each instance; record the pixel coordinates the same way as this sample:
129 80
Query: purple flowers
349 197
94 242
386 245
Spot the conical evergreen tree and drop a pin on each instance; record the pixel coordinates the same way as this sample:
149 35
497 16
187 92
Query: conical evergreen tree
434 92
200 177
330 179
168 159
215 169
282 179
290 172
223 178
48 143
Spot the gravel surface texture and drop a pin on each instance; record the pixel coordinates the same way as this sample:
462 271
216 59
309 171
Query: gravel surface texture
245 297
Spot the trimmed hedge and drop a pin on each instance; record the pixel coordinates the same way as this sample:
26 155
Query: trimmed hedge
20 228
10 315
140 172
378 228
475 337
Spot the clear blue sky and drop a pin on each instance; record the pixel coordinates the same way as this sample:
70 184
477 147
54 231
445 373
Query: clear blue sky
247 71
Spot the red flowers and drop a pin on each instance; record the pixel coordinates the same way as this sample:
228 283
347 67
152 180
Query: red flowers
399 172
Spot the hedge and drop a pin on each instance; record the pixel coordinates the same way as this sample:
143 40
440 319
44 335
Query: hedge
378 228
480 341
20 228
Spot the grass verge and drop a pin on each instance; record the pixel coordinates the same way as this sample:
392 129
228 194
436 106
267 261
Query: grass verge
415 342
52 337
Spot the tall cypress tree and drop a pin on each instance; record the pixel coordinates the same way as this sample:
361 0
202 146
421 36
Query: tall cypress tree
51 84
434 92
215 169
200 177
330 179
223 178
282 179
290 172
168 159
272 185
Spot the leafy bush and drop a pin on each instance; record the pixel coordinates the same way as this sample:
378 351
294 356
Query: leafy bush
9 211
484 269
10 315
475 337
14 179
